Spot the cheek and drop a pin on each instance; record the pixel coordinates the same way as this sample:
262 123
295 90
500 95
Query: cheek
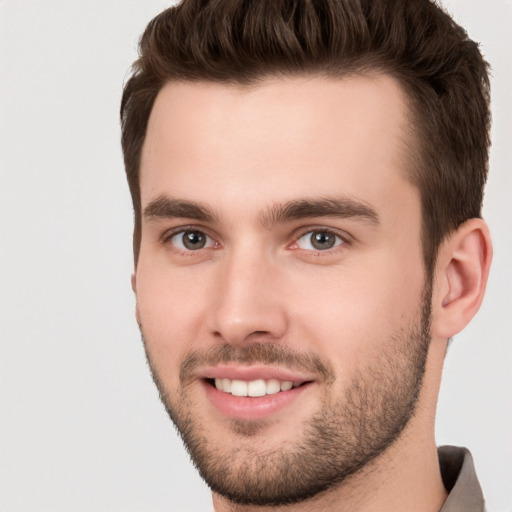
347 316
170 309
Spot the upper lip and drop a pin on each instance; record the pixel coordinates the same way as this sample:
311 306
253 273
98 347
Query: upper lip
253 372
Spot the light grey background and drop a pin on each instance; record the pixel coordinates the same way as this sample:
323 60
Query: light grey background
81 427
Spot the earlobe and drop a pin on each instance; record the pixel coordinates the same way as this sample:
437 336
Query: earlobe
461 276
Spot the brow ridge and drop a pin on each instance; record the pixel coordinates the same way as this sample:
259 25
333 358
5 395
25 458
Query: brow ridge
164 207
339 207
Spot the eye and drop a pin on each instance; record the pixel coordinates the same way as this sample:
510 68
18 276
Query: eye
191 240
319 240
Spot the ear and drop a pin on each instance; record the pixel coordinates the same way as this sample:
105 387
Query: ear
460 278
134 288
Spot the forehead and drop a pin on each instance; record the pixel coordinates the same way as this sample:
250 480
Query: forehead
277 140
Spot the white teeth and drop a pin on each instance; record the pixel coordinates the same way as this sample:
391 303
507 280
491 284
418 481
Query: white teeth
239 388
273 387
226 385
254 388
286 385
257 388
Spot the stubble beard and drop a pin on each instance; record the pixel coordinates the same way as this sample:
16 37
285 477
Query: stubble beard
344 436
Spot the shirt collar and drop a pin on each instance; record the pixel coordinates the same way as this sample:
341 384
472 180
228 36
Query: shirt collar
459 478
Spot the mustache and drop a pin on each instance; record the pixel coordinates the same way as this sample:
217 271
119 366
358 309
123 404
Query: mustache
258 353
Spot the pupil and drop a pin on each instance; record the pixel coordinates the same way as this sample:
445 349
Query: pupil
322 240
193 240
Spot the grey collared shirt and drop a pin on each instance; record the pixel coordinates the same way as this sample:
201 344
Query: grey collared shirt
459 478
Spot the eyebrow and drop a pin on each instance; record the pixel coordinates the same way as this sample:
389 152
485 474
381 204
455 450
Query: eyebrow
164 207
337 207
168 208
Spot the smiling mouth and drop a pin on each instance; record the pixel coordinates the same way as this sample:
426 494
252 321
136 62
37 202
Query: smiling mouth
253 388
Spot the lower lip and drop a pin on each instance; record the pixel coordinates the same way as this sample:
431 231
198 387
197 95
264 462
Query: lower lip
252 408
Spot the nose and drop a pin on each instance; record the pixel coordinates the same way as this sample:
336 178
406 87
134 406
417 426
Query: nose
248 304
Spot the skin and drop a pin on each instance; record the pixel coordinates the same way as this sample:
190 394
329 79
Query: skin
240 152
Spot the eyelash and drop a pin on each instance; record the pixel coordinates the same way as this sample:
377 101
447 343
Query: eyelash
169 235
342 240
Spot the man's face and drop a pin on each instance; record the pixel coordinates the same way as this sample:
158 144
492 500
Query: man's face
281 251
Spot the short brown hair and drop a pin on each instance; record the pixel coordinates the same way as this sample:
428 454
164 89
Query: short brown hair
244 41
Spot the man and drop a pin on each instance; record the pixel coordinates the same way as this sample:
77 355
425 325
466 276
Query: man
307 180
